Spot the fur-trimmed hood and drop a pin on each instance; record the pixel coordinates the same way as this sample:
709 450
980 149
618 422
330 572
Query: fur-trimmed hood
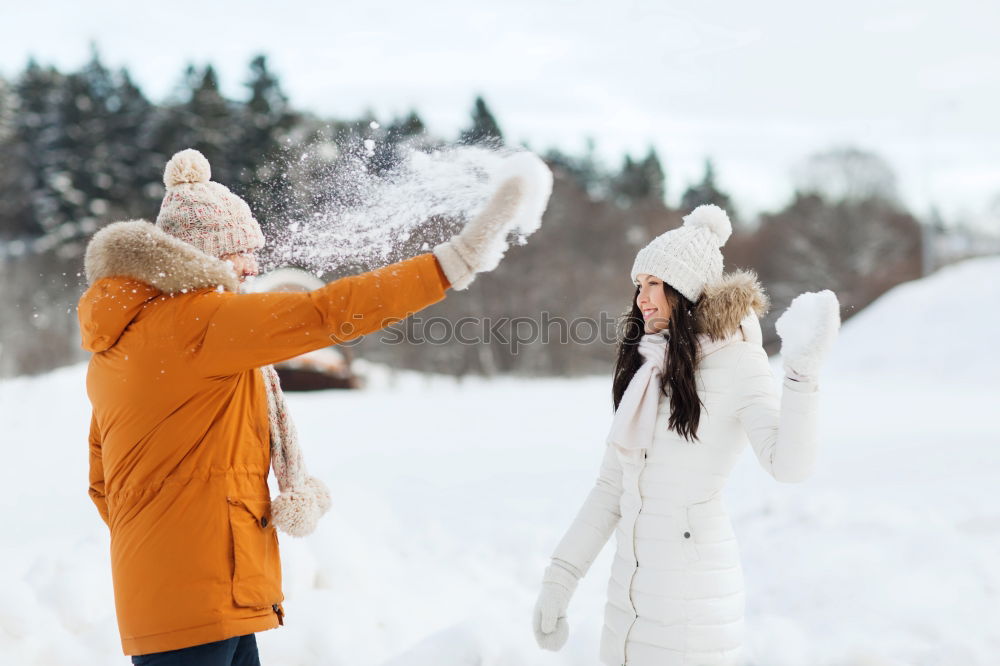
131 263
140 250
727 302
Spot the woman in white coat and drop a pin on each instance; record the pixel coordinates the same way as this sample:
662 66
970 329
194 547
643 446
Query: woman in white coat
692 384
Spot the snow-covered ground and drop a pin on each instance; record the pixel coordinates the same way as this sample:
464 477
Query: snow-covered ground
448 497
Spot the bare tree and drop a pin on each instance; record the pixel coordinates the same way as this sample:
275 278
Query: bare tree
858 248
846 174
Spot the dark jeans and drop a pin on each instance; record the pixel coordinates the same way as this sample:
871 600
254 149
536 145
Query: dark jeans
237 651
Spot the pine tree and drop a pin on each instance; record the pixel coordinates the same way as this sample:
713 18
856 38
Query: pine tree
653 174
138 168
216 119
404 128
586 171
28 208
7 102
201 118
629 184
6 110
84 153
639 181
172 127
103 163
707 192
484 127
262 134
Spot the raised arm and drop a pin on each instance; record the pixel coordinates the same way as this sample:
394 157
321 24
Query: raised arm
243 331
782 431
250 330
783 434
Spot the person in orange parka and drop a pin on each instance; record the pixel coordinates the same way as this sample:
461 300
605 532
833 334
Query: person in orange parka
188 416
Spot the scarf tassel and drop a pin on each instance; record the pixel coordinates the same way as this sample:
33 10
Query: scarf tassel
302 499
296 510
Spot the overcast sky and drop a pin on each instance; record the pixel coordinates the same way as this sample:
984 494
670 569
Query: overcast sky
755 85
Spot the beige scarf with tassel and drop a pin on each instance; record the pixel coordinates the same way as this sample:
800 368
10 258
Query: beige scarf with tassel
302 499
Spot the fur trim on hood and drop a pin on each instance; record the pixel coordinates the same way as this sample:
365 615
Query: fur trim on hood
726 302
140 250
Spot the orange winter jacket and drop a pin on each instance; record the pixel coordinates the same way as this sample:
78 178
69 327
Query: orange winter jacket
179 437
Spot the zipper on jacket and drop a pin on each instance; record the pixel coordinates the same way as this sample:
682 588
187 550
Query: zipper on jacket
631 601
281 614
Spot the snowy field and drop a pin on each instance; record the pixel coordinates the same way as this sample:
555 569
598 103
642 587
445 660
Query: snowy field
449 496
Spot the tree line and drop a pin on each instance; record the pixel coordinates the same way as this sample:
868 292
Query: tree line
81 149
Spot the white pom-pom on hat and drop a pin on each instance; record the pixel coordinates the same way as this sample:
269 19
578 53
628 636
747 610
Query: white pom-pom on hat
713 218
187 166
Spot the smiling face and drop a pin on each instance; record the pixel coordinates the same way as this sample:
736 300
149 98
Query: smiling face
653 303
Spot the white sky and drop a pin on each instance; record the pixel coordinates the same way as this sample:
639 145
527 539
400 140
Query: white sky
755 85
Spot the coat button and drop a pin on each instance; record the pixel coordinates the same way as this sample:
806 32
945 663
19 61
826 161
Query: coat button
263 521
687 535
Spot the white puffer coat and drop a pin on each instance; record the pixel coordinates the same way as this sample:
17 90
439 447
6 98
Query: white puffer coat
676 597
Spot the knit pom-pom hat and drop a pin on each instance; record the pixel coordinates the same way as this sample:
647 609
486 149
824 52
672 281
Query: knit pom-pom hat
205 214
687 258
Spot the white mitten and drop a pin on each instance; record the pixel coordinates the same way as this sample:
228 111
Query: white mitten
807 330
558 585
518 203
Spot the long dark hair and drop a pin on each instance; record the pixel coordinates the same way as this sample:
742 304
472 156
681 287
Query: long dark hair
682 358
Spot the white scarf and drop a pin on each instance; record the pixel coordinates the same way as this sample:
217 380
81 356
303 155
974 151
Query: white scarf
634 421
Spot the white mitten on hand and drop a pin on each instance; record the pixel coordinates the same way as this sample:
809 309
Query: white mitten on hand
518 203
807 330
558 585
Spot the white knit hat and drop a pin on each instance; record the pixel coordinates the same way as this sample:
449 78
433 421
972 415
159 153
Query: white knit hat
688 258
202 213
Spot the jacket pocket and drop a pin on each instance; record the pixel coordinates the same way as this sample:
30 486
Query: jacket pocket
256 564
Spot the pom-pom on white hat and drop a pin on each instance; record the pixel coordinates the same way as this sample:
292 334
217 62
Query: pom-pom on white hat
203 213
687 258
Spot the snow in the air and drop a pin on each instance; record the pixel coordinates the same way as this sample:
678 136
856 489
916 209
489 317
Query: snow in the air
448 497
376 213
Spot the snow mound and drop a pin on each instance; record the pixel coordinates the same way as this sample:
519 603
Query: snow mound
445 513
940 328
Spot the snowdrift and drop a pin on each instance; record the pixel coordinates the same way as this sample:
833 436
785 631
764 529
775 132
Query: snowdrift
448 497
